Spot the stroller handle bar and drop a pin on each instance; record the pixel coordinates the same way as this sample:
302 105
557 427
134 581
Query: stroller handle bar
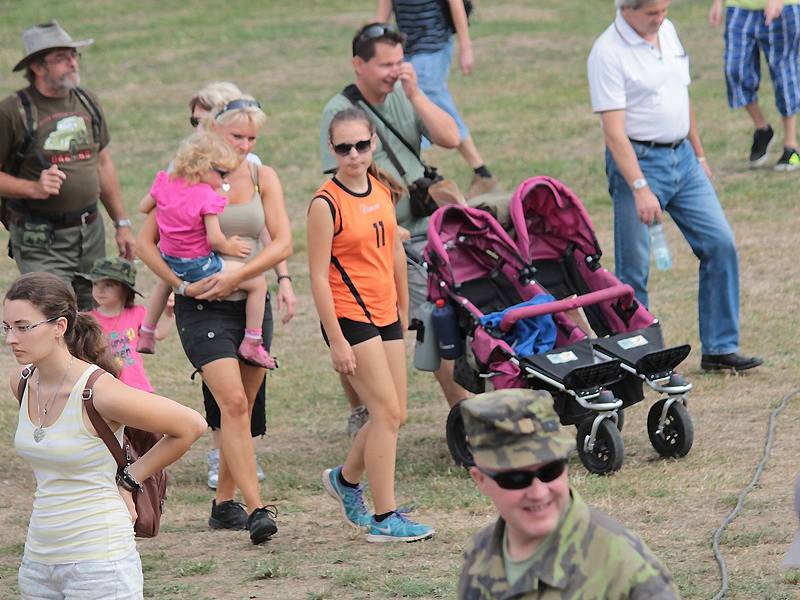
617 291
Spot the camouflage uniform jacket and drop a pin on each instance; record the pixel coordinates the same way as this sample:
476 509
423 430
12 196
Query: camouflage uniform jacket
590 557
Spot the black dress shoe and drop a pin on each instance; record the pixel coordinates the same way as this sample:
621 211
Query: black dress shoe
733 362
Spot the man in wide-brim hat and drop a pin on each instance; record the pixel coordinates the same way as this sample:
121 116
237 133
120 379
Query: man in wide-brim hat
56 165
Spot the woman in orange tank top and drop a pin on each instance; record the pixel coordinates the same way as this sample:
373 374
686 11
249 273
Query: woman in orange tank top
358 280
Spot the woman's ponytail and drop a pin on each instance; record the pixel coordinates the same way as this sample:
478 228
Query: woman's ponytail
86 341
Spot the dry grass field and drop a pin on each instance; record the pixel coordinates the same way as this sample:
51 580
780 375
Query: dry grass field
527 104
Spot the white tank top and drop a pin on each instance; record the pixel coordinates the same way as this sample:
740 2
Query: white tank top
78 514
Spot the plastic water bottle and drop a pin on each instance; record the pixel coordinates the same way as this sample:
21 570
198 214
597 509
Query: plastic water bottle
659 247
445 325
426 352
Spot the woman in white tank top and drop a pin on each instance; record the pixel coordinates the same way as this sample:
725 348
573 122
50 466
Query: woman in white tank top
80 541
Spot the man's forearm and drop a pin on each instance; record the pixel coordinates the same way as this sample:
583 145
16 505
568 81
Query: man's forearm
110 194
441 126
384 10
15 187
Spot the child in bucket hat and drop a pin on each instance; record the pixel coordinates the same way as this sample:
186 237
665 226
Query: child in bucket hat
114 291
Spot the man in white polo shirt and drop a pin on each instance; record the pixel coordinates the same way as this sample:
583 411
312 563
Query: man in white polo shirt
639 83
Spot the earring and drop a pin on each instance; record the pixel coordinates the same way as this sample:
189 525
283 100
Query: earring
226 187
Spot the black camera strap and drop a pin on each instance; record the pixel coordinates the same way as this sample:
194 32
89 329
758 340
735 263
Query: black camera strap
352 93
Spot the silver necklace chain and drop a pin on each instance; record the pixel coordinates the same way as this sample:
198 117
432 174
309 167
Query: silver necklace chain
39 432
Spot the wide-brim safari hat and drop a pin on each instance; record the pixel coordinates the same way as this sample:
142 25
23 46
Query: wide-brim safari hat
44 37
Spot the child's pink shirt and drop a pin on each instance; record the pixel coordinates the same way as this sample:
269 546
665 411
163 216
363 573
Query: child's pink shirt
122 333
181 208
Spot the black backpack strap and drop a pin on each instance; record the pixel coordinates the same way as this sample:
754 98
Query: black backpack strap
93 111
27 112
352 93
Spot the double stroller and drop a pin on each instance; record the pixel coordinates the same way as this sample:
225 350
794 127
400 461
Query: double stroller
594 346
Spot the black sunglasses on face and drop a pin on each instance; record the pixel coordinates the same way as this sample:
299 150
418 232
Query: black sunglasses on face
373 32
344 149
222 173
194 121
519 480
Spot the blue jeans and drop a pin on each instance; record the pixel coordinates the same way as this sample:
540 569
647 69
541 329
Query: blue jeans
194 269
684 191
433 70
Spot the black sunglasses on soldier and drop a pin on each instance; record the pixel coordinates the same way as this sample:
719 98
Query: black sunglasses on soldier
519 479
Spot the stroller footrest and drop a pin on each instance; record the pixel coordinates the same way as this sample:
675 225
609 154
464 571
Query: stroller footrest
577 367
590 379
660 363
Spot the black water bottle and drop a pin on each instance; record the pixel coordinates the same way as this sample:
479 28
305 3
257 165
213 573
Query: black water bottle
445 325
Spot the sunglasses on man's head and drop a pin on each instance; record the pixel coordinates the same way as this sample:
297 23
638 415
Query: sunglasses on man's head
221 172
194 121
373 32
344 149
519 480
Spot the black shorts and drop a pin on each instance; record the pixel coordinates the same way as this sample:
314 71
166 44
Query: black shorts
356 332
224 318
213 330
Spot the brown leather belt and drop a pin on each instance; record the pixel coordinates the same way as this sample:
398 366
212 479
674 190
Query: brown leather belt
57 220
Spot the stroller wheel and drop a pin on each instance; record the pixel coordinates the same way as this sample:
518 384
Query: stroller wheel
677 436
620 419
457 438
608 452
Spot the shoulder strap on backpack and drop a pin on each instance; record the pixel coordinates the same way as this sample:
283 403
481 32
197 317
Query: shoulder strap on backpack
27 112
100 426
23 381
93 111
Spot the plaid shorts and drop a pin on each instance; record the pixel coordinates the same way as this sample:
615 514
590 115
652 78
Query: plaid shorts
746 36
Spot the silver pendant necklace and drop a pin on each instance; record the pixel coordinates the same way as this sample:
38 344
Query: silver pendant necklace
39 432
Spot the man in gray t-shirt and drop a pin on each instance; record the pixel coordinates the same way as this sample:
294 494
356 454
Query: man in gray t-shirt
389 84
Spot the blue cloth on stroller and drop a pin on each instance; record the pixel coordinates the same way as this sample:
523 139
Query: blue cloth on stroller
533 335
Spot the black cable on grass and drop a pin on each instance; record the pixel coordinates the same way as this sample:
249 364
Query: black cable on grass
723 569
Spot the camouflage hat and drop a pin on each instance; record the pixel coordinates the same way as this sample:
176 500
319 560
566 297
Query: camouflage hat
514 428
115 268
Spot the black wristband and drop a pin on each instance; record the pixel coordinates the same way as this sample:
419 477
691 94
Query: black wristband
289 277
128 481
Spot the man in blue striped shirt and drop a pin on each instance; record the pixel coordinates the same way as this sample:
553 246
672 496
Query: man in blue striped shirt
429 26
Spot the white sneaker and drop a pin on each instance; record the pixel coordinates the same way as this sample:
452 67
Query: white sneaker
213 467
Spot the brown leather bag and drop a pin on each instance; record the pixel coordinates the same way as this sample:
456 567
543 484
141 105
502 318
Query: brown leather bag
150 501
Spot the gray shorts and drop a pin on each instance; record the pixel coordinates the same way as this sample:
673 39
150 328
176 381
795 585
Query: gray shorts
417 277
86 580
70 250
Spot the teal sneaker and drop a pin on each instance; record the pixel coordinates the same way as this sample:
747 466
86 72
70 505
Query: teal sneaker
397 528
351 500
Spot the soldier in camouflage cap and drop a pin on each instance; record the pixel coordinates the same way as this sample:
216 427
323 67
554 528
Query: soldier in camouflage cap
547 543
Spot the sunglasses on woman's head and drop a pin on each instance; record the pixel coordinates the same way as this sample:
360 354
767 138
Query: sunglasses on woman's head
238 104
344 149
221 172
519 480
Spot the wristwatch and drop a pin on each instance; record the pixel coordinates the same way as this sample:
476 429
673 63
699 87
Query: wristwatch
122 223
182 288
638 184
